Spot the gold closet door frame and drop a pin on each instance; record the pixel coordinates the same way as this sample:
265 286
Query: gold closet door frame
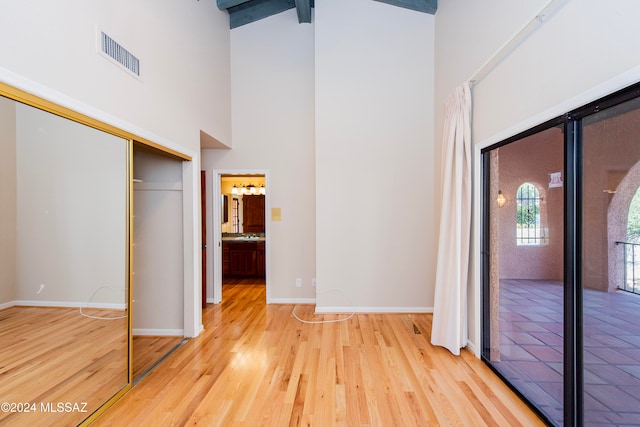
43 104
53 108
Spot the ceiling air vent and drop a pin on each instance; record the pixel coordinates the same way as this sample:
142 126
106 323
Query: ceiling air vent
112 50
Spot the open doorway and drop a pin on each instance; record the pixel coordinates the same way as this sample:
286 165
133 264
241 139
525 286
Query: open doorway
240 229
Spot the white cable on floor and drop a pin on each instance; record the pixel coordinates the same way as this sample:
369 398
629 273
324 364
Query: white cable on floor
316 322
82 313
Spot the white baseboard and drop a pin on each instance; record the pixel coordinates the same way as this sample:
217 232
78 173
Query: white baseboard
7 304
327 310
292 301
69 304
158 332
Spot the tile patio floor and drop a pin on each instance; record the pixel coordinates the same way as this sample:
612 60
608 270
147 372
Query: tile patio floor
531 349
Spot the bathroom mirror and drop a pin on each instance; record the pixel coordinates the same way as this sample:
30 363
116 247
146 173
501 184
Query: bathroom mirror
64 267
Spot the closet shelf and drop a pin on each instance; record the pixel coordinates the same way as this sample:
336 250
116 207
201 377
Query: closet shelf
157 186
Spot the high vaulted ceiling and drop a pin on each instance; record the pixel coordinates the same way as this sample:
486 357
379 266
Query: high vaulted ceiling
243 12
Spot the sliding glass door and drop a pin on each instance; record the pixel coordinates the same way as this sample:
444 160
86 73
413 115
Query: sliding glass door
610 255
561 263
524 338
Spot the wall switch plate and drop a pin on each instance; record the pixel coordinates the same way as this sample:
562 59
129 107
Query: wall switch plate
298 282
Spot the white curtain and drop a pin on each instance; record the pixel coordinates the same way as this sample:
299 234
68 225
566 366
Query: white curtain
450 306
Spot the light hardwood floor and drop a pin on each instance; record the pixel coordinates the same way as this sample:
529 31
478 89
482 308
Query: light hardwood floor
149 350
256 365
54 355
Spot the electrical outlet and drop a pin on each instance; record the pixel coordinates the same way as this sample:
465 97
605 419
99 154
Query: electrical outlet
298 282
313 282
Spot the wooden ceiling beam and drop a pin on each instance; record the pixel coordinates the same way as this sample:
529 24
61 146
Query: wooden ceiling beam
254 10
303 7
226 4
243 12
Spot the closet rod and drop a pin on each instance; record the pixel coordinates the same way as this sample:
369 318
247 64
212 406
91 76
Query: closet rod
534 23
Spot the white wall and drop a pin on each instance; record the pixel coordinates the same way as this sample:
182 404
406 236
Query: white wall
585 51
374 157
272 99
158 265
183 48
8 198
71 212
568 56
49 49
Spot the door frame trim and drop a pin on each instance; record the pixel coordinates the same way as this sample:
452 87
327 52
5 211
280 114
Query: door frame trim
216 229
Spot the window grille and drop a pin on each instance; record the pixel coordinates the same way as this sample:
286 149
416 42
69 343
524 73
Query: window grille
529 230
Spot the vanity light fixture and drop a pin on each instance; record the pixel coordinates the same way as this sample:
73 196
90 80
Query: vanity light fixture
248 189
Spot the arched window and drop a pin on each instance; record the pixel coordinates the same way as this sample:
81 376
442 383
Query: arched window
633 219
529 230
